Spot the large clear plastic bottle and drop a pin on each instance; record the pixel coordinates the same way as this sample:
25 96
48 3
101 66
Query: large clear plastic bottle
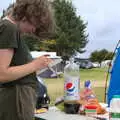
71 87
115 108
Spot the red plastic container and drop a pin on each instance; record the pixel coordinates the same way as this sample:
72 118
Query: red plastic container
90 110
91 107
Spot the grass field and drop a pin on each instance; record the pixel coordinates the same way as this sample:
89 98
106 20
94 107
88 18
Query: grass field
96 75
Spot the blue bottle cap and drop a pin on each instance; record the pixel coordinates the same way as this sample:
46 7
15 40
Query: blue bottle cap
87 84
116 96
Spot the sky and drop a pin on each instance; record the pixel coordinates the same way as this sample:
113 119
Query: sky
4 4
103 18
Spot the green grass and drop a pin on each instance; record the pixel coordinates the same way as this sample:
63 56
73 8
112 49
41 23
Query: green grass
99 91
55 86
93 74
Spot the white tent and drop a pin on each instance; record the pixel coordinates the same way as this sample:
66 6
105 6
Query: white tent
54 69
38 54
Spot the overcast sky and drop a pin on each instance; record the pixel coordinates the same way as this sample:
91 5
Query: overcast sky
103 17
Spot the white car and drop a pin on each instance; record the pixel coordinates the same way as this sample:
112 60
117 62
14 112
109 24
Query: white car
96 64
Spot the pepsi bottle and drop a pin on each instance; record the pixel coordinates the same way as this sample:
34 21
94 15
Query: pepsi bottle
71 87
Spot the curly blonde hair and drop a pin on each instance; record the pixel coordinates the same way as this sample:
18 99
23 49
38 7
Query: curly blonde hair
40 10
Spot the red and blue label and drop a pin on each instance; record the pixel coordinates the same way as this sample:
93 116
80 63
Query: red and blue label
69 87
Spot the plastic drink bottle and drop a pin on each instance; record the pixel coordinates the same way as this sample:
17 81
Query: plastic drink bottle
115 108
71 87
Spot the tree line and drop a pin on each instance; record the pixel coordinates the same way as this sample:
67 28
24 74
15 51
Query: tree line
101 55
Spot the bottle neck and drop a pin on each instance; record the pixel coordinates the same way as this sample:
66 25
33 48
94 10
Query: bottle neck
71 60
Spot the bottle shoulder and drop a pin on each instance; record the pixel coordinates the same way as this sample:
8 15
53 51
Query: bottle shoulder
115 103
115 99
71 66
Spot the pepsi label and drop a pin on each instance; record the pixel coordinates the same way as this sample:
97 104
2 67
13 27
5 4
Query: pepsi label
71 89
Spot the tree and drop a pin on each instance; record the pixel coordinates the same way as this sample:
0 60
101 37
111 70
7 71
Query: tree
110 55
94 57
71 36
48 45
99 56
32 42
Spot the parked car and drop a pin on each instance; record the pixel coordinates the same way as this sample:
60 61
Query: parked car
96 64
85 64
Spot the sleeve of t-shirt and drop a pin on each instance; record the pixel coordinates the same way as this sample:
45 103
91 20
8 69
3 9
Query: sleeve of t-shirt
8 37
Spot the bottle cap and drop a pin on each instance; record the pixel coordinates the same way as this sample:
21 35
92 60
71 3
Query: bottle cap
87 84
116 96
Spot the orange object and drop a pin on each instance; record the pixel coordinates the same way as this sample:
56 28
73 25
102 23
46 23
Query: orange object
88 98
95 102
41 110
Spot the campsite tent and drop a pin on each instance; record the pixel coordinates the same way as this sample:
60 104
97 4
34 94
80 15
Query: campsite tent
56 68
114 85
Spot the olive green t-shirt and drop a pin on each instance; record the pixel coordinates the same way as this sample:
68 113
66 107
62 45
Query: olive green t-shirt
10 38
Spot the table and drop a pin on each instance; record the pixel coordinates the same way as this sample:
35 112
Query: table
55 114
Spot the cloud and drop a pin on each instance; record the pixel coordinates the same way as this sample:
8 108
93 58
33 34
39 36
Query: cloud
103 19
